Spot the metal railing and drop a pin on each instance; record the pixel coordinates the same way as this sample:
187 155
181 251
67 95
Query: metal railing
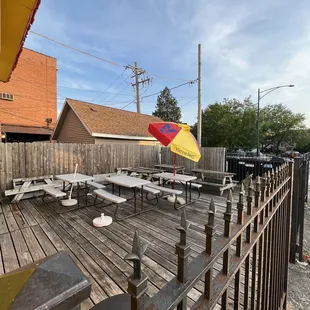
257 244
300 197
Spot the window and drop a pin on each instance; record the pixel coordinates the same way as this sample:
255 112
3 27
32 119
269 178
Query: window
6 96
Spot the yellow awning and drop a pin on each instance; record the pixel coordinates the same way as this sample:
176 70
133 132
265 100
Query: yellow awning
16 19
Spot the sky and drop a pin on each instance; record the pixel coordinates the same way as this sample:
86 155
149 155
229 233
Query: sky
246 45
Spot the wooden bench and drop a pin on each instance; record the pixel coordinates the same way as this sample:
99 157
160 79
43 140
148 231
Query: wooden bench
115 200
54 192
216 188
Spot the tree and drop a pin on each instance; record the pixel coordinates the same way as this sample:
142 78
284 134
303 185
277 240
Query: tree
280 125
230 123
167 107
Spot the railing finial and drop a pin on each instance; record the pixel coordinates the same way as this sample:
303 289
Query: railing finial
137 282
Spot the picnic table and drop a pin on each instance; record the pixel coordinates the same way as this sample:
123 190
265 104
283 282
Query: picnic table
170 168
215 181
129 182
76 178
185 180
24 188
143 171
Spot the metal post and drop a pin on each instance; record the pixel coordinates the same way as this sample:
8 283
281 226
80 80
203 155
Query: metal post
199 97
182 249
257 124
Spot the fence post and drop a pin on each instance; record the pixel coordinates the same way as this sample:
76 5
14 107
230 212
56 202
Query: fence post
295 188
183 251
137 282
240 208
227 232
209 230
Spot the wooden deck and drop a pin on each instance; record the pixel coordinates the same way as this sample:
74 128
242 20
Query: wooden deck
31 230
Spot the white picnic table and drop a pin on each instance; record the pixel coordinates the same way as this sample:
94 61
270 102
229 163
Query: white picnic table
129 182
182 178
76 178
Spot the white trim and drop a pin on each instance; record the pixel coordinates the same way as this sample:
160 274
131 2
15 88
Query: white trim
104 135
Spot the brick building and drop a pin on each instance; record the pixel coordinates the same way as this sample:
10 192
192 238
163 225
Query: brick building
28 102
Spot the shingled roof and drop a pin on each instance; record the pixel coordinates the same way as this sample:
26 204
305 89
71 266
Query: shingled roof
103 121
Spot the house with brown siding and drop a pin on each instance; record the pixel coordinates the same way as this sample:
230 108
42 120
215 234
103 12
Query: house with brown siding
84 122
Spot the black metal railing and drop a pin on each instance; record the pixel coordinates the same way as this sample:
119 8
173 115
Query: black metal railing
300 197
255 246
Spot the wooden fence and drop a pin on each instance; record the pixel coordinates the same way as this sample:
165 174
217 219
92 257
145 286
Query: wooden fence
212 158
22 160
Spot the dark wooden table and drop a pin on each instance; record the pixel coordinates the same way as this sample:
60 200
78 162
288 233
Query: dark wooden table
170 168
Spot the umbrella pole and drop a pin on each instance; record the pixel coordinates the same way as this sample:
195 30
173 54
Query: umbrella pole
174 167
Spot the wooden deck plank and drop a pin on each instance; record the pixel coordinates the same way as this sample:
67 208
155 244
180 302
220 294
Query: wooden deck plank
26 213
32 243
3 227
10 261
9 218
45 243
149 258
100 252
87 304
120 247
89 263
22 251
19 218
114 259
97 293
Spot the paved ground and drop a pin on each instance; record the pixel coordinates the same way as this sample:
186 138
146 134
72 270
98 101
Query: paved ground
299 275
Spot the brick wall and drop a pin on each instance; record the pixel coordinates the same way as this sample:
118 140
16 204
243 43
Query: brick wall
33 84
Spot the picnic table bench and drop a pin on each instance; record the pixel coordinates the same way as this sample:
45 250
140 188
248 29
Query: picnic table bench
215 181
24 188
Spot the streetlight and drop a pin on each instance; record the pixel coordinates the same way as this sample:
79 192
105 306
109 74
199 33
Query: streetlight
259 97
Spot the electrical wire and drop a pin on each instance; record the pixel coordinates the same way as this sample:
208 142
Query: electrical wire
121 75
188 82
77 50
100 58
188 102
125 106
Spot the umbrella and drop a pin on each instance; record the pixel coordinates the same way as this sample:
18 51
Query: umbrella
179 138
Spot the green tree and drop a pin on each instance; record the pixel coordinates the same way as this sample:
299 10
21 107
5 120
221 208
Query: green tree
281 125
230 123
167 107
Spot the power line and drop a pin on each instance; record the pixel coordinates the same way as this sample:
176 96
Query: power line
189 82
100 58
125 106
188 102
110 85
118 87
77 50
73 88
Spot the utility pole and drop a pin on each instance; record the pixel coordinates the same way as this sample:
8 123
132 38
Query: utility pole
137 72
137 88
199 97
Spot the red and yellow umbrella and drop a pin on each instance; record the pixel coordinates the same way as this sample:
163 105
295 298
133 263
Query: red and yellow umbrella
178 137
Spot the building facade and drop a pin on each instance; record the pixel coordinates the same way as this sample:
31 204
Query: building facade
29 99
84 122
